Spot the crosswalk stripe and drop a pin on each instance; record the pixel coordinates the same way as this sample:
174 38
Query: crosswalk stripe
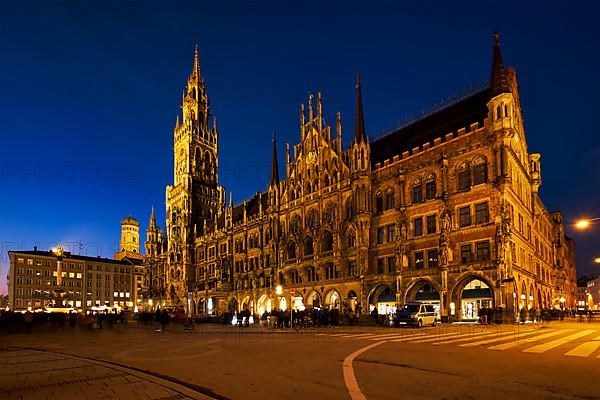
397 336
518 342
541 348
477 335
363 336
438 337
585 349
424 337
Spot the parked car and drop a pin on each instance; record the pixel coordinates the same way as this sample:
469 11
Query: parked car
416 313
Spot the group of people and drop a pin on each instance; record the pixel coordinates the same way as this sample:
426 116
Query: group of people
545 315
161 318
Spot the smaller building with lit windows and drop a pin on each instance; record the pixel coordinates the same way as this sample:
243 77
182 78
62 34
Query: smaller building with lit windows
89 283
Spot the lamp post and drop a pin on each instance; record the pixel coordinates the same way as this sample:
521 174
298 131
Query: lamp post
58 290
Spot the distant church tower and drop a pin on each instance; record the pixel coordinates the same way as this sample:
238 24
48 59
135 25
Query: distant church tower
195 198
129 245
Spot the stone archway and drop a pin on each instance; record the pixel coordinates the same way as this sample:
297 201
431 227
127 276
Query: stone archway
469 295
352 301
264 305
382 297
423 290
313 299
246 304
333 299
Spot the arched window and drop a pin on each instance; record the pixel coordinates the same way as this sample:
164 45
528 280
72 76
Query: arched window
417 191
330 272
311 274
479 171
378 202
327 243
308 246
312 220
291 251
463 176
430 189
329 214
296 224
349 209
296 278
351 239
390 201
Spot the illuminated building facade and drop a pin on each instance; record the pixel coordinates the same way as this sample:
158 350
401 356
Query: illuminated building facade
444 209
88 282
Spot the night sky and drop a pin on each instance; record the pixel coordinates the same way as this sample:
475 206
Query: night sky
89 93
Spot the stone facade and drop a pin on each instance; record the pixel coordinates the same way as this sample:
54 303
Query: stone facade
444 209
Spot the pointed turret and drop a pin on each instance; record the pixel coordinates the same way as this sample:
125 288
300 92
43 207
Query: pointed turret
152 219
499 81
275 164
196 68
360 134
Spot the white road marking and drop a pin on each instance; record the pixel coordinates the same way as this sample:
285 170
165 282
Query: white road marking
477 335
348 370
437 337
399 336
363 336
517 341
585 349
541 348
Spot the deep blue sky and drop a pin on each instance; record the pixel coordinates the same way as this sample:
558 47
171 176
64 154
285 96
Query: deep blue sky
89 93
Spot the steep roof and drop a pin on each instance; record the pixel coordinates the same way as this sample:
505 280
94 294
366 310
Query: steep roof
252 207
460 114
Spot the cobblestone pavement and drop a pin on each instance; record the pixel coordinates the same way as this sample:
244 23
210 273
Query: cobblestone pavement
35 374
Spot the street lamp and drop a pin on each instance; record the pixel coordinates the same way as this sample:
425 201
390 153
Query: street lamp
59 292
597 260
585 223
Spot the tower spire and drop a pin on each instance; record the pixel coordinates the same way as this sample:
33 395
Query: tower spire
275 164
360 134
196 69
498 82
152 218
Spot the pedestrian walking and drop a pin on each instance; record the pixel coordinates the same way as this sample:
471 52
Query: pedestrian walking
164 319
158 318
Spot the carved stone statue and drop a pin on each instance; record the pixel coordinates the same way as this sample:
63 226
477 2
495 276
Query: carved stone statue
445 221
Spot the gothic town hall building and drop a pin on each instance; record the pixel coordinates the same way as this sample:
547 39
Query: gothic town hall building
445 209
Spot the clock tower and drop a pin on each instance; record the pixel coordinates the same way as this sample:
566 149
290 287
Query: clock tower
195 198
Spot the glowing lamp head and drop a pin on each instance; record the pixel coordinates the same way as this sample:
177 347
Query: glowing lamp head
582 224
597 260
279 290
58 250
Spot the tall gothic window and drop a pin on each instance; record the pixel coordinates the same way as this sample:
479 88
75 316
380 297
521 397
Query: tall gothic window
464 177
480 171
390 201
378 203
430 190
417 192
